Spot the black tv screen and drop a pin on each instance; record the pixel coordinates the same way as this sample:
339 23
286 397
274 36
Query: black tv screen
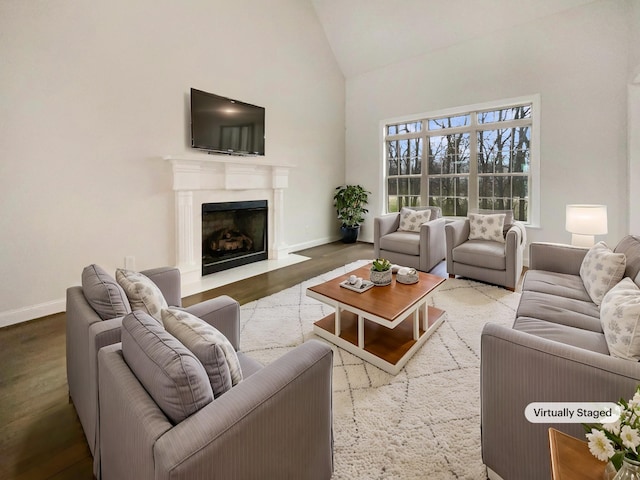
224 125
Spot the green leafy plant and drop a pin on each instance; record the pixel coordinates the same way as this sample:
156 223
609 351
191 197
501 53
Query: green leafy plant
349 201
381 265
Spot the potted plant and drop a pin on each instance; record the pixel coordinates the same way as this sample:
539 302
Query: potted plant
349 201
380 272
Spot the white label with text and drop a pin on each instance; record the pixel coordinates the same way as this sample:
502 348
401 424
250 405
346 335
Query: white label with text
572 412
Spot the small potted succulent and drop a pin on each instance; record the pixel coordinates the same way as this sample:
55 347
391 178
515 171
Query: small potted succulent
380 272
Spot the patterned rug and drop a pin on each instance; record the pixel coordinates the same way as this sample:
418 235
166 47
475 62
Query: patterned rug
423 422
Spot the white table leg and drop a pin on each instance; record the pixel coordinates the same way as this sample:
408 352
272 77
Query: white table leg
425 316
416 324
337 320
360 331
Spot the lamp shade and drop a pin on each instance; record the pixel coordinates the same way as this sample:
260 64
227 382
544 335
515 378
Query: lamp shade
586 219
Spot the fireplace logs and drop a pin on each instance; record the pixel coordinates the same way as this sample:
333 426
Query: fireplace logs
229 240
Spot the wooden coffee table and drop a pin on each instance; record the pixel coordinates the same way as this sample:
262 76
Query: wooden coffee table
384 325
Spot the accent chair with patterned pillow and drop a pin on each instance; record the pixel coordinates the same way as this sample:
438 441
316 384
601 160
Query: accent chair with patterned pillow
413 237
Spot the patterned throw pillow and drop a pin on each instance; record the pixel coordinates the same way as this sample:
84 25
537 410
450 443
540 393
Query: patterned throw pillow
206 343
486 227
410 220
601 269
142 293
620 317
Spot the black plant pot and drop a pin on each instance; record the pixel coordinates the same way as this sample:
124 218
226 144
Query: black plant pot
349 234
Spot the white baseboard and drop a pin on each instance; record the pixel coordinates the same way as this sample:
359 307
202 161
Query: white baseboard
314 243
11 317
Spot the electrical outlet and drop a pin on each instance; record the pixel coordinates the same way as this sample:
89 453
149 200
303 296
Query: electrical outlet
130 262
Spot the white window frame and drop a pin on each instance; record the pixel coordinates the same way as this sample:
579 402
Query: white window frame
534 165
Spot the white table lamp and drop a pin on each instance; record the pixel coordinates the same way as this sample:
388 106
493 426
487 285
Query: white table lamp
585 221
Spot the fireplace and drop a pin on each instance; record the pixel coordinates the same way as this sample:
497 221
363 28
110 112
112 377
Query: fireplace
233 234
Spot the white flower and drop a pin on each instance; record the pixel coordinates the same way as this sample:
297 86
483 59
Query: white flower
630 437
635 401
599 445
612 427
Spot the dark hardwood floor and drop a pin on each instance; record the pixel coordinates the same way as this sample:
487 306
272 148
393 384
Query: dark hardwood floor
40 435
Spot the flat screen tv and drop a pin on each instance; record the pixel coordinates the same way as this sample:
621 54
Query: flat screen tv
224 125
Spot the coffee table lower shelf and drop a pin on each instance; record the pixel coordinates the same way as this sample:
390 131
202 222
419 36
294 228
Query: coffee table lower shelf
386 348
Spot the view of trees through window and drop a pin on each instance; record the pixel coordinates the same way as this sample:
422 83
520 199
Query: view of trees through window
475 160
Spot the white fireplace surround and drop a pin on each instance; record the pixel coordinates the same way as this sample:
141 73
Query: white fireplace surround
202 178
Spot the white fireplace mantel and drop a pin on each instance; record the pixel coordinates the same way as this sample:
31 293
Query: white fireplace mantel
202 178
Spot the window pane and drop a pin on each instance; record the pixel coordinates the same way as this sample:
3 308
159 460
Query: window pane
400 128
462 186
450 122
502 187
415 151
485 186
403 186
434 187
521 187
393 204
521 209
392 185
504 114
414 186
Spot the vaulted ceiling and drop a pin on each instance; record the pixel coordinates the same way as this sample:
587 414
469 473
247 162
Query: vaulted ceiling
369 34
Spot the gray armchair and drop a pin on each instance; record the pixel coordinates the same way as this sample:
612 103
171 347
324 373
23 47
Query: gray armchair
276 423
485 260
87 332
421 250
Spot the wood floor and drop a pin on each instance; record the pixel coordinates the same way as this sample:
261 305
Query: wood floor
40 435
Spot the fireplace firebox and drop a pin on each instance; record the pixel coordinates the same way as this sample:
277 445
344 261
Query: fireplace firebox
233 234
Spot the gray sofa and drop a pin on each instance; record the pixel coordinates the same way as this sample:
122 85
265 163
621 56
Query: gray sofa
555 352
88 329
275 423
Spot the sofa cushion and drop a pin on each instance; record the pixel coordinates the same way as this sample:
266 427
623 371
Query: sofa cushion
410 220
561 284
481 253
556 332
401 242
211 347
103 293
601 269
620 315
562 310
142 293
486 227
170 373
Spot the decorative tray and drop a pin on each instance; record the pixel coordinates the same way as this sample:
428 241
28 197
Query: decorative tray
366 285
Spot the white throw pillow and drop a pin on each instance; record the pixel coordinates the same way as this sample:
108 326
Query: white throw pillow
601 269
620 317
142 293
410 220
486 227
202 339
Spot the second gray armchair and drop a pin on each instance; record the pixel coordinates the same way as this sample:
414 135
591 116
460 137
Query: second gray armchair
497 262
422 249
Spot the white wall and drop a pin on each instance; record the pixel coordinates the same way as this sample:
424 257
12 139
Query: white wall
93 94
634 118
576 61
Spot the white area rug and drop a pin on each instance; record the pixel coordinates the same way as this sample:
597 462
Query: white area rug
422 423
